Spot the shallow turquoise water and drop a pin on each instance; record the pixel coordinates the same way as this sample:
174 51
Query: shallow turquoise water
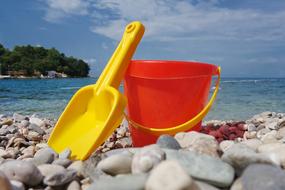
237 98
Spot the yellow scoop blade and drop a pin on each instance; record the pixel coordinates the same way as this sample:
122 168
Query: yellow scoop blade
95 111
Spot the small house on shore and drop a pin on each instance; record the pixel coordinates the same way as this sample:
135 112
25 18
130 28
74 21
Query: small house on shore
54 74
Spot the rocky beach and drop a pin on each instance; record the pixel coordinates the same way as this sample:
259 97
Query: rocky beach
234 155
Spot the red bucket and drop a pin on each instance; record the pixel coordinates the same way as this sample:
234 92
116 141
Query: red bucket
166 97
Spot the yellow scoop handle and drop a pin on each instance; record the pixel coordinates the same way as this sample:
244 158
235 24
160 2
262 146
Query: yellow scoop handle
118 63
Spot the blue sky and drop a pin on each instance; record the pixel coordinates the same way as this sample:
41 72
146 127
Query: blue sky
246 38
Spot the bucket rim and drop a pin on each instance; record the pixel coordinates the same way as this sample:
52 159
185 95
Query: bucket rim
170 69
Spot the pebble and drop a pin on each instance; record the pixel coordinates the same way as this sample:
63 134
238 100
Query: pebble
281 133
161 177
60 178
270 147
24 123
17 185
41 145
252 143
262 132
122 182
74 185
18 117
240 156
250 127
269 137
44 156
78 166
6 122
12 129
249 135
3 153
34 136
50 169
274 150
116 164
203 167
3 131
37 121
281 122
237 185
124 142
263 177
147 158
198 142
225 145
65 154
29 152
36 128
62 162
204 186
4 182
23 171
167 141
273 125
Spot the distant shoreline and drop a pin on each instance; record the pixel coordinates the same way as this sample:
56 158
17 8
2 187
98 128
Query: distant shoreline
7 77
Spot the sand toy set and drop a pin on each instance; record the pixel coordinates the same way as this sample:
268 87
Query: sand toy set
161 97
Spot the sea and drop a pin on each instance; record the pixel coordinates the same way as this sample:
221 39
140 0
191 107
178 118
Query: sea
238 98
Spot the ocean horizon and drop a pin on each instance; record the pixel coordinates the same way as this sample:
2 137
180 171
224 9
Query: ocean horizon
238 98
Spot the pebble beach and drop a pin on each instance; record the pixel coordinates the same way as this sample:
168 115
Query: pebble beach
227 155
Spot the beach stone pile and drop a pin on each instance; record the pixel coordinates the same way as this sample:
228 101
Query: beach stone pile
188 160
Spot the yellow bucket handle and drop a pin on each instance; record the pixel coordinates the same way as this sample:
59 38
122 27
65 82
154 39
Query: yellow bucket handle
185 126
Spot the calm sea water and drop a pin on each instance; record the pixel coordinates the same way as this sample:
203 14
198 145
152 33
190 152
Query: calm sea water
237 99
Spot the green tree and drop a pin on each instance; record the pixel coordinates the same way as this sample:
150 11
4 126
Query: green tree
32 59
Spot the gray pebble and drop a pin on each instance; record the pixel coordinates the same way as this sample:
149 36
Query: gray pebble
60 178
74 185
122 182
147 158
3 153
23 171
65 154
50 169
3 131
240 156
78 166
203 167
17 185
116 164
237 185
39 122
18 117
204 186
62 162
198 142
24 123
169 175
263 177
225 145
167 141
36 128
44 156
252 143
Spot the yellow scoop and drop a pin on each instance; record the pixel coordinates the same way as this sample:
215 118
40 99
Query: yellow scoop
95 111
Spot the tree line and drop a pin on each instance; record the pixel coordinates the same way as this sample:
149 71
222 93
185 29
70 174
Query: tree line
33 60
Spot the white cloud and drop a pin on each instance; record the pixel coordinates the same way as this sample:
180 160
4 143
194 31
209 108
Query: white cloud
167 20
179 20
90 61
59 9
